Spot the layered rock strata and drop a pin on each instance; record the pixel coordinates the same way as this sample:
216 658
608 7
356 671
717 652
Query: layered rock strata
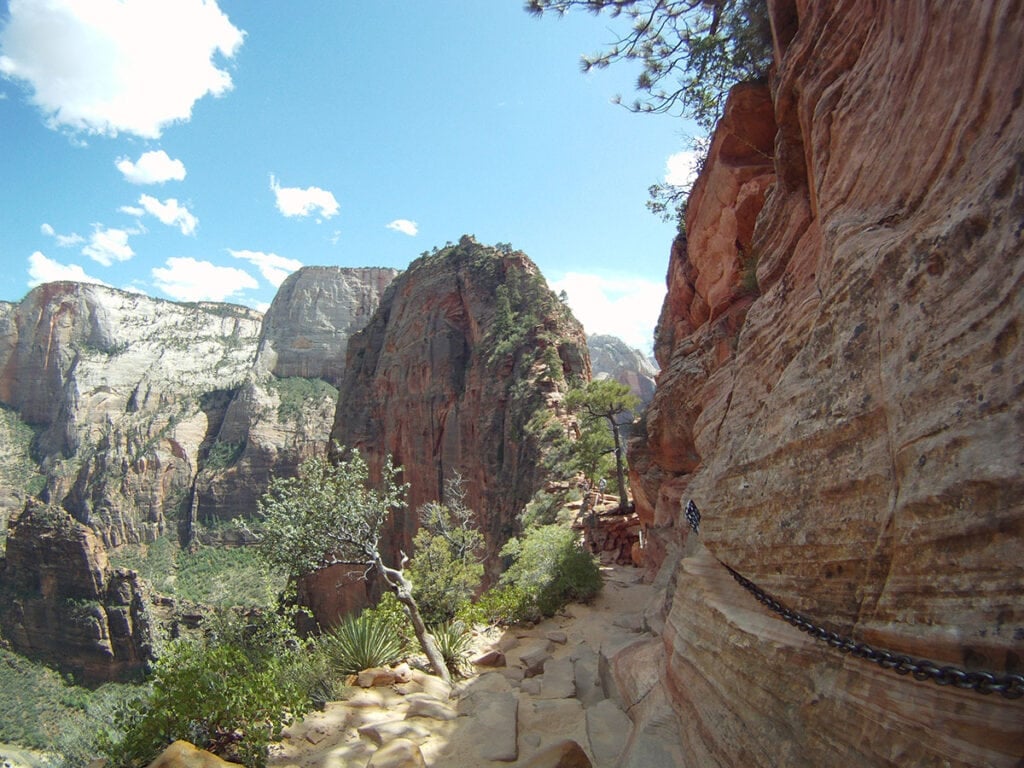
122 390
840 394
464 362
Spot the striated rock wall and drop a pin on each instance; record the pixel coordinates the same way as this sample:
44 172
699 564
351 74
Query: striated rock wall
468 345
61 602
851 424
311 310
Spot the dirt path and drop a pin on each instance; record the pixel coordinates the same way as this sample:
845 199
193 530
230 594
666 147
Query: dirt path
547 690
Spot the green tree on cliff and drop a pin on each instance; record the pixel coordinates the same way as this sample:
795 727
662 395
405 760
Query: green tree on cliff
330 515
604 407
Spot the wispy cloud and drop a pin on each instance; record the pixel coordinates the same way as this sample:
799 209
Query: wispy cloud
107 67
44 270
151 168
171 213
296 201
64 241
274 268
186 279
109 245
406 227
133 210
618 305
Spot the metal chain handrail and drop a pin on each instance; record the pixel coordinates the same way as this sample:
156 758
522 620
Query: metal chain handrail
1010 686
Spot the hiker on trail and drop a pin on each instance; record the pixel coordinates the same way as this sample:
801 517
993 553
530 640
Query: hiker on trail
601 485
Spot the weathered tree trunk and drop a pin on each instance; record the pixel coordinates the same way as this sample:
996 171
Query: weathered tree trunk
403 589
620 475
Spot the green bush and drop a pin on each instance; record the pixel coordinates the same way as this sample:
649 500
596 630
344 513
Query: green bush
454 641
552 568
361 642
502 605
230 692
446 569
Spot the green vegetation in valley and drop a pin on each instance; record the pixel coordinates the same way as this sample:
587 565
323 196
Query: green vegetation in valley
41 710
215 576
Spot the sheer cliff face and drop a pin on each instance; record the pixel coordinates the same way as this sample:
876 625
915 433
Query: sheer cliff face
117 386
467 346
851 426
149 411
283 412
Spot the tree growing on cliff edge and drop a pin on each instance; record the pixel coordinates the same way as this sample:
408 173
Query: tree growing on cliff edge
330 515
692 53
605 405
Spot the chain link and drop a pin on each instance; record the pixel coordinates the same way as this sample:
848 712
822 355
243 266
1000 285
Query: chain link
1010 686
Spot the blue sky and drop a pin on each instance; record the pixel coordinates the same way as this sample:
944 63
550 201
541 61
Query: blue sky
197 150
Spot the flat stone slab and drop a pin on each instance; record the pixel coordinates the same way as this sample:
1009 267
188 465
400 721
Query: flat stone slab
608 729
493 721
558 682
422 705
586 675
389 730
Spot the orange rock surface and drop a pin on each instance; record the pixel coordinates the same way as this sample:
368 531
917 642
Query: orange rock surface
852 430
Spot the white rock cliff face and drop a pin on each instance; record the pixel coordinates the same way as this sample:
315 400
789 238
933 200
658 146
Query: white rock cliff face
115 383
147 411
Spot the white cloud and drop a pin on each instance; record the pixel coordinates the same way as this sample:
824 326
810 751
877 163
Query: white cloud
151 168
681 168
108 66
64 241
132 210
406 227
293 201
623 306
109 245
44 270
186 279
171 213
274 268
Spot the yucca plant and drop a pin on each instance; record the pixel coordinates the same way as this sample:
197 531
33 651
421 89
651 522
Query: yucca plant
362 642
453 641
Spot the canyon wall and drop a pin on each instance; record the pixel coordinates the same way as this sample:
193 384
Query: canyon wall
122 391
841 396
284 410
466 358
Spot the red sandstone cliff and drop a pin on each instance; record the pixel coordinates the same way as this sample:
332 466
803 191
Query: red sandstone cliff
467 346
852 426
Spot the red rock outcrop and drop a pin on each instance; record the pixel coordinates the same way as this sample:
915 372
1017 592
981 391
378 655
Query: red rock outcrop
467 346
851 426
64 604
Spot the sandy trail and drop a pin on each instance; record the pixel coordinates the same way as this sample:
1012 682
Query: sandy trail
475 724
